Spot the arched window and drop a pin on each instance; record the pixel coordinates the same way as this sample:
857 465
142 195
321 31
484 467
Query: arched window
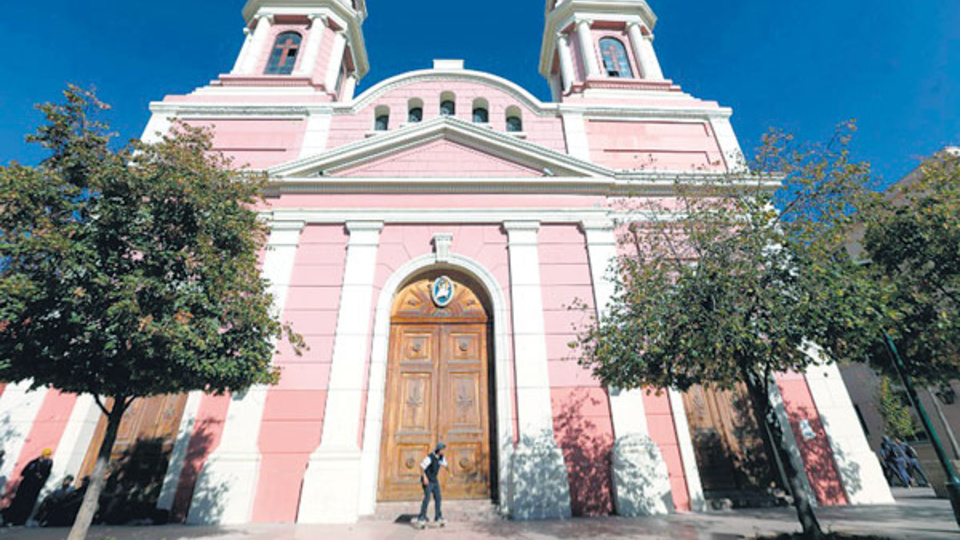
481 111
514 120
414 111
615 60
448 108
381 120
283 57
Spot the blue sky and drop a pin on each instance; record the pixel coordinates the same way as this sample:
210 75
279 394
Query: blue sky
801 66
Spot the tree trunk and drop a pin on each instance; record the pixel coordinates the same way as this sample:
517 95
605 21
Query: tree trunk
760 395
91 499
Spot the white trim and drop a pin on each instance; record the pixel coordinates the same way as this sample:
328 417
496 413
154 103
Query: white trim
336 62
227 486
317 134
575 133
178 456
691 470
244 51
567 71
19 407
308 64
157 127
331 484
860 472
373 430
256 51
588 48
728 143
76 439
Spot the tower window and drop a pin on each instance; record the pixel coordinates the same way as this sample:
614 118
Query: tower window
283 57
415 115
381 120
448 108
615 60
481 111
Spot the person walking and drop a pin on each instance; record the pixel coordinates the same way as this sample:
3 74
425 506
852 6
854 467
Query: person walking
429 477
33 477
895 460
913 463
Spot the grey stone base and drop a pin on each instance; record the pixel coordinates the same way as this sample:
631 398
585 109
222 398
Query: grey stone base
539 489
641 483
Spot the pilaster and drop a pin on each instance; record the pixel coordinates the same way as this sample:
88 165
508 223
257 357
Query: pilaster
260 36
19 406
308 64
244 51
336 61
331 485
646 56
587 48
178 456
641 482
567 72
76 439
225 490
540 488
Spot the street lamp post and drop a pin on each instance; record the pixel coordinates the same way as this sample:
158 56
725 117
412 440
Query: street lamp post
953 481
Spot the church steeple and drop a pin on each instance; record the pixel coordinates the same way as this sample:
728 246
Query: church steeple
303 42
602 44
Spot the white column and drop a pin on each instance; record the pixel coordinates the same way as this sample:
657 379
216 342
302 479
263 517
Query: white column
331 485
860 471
75 441
691 471
575 133
259 44
336 61
349 87
540 487
178 456
19 407
225 490
317 134
646 56
244 51
567 71
587 48
311 49
640 476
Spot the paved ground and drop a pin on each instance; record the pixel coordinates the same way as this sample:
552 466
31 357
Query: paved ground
918 516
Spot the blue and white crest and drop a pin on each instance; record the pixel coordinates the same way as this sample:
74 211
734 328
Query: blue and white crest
442 291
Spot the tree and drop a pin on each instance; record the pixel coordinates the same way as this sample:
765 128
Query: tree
898 422
718 287
130 272
911 238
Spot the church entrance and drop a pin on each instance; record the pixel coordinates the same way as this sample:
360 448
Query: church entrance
140 457
732 457
439 388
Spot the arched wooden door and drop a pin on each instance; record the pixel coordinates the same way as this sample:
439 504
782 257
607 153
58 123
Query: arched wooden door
438 389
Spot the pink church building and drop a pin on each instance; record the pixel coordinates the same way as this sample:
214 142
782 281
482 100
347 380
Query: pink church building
429 237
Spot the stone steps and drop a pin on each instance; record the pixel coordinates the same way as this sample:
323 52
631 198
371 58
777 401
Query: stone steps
479 511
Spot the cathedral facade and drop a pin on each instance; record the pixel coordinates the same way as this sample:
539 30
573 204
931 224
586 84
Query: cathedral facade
429 238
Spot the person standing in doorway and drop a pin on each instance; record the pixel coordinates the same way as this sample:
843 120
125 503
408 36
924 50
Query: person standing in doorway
430 478
33 477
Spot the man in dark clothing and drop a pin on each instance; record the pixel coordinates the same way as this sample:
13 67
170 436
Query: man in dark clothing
52 502
429 477
895 460
33 477
913 463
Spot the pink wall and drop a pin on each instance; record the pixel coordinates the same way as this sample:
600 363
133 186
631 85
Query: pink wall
817 455
45 432
441 159
256 143
546 130
205 438
581 407
293 415
437 201
663 431
654 145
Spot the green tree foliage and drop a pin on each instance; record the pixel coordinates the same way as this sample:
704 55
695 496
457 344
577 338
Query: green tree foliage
717 287
131 272
911 237
898 422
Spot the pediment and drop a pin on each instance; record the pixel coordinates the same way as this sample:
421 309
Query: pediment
443 147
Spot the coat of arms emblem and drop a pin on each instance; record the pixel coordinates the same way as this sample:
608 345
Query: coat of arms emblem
442 291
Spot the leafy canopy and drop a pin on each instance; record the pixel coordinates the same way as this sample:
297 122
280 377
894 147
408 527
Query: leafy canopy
131 272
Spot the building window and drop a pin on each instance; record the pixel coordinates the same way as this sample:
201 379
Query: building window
381 121
514 120
416 115
615 61
448 108
283 57
481 116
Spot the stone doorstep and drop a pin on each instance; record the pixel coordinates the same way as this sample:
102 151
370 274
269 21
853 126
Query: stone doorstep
460 511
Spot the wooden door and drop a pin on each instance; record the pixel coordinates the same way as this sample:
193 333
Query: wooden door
437 390
731 455
148 430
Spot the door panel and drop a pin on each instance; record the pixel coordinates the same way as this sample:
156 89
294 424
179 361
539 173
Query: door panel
437 390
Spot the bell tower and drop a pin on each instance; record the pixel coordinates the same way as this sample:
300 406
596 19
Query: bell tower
289 43
599 44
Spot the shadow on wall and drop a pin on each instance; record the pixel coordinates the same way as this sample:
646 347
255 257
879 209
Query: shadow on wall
827 478
133 487
205 496
7 433
587 454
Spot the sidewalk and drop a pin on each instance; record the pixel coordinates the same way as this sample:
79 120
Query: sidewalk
918 516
